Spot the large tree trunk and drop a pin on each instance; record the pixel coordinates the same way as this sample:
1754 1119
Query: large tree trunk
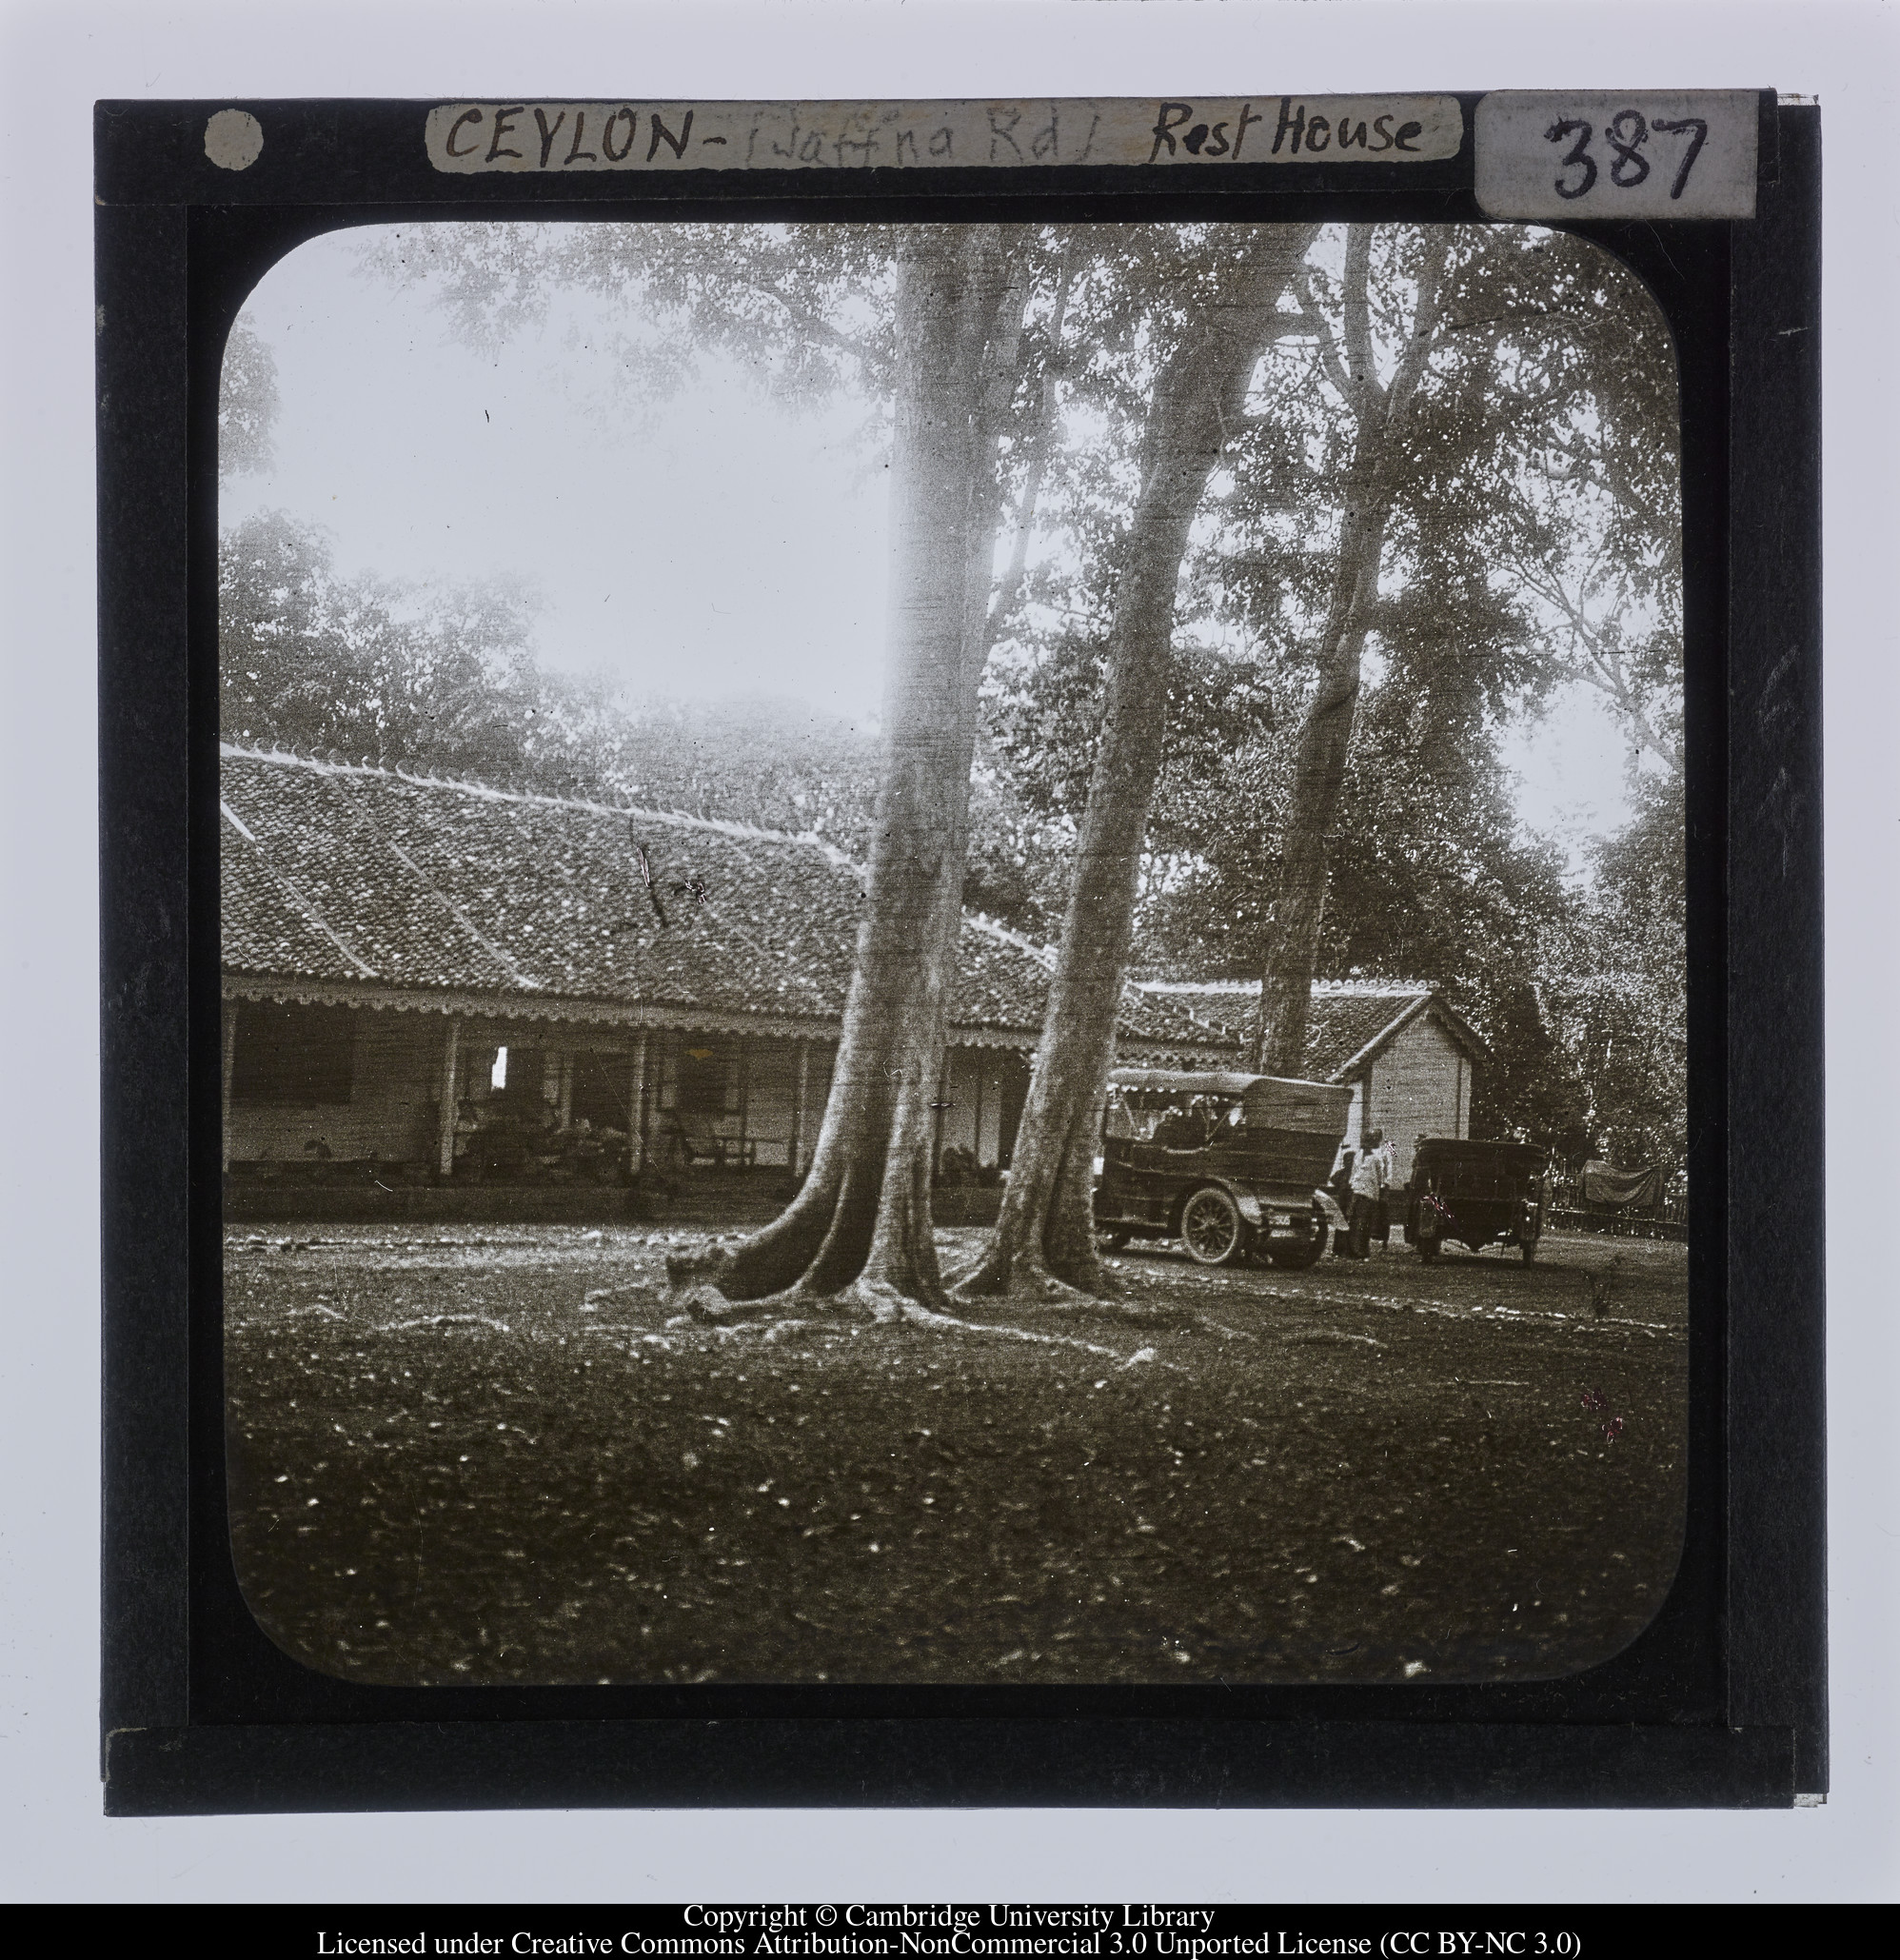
1319 773
1291 954
1044 1239
860 1224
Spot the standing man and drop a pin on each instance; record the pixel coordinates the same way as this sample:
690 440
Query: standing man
1369 1181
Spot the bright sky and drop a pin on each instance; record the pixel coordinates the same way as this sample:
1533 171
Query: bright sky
718 548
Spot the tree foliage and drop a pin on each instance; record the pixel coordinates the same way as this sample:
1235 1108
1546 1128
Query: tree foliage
1615 992
1526 542
1537 462
247 402
440 679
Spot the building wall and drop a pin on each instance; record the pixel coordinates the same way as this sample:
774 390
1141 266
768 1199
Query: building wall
1419 1086
396 1079
396 1075
961 1095
984 1090
760 1100
1355 1124
771 1095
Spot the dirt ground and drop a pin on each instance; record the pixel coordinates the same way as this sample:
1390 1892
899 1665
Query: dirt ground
482 1454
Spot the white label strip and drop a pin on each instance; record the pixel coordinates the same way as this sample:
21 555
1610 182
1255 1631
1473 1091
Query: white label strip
552 138
1644 153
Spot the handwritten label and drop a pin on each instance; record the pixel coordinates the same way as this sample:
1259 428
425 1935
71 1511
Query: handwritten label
1207 133
1644 153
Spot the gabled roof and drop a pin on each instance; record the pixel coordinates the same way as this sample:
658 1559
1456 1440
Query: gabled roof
1348 1024
355 876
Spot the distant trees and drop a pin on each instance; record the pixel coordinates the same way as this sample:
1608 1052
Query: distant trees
438 679
1615 990
777 763
247 402
449 682
442 680
1453 496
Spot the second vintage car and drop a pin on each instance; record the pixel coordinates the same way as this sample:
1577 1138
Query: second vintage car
1230 1164
1478 1194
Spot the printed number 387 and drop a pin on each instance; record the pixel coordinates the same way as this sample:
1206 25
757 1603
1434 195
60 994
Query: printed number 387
1626 133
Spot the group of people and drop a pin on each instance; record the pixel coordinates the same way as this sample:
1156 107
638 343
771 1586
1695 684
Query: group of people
1366 1176
1174 1126
492 1138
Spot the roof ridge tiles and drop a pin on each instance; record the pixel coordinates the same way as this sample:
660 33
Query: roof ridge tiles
723 826
1046 955
1008 935
1343 989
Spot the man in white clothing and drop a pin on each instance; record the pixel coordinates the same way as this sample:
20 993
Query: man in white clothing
1369 1182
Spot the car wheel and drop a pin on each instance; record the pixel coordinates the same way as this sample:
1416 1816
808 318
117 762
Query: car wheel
1212 1228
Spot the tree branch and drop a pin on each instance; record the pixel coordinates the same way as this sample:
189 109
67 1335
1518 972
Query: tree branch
1010 592
817 324
1355 317
1410 369
1602 665
1325 344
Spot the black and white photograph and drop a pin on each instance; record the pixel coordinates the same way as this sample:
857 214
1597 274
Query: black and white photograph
953 953
845 915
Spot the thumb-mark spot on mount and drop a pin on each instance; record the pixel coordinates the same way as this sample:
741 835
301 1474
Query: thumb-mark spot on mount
233 139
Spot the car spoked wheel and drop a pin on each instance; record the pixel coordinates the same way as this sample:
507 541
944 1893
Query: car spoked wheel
1210 1227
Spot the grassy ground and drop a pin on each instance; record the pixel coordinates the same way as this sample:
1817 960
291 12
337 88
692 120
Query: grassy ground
477 1454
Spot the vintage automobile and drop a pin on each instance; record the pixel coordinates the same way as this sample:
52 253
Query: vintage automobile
1478 1194
1231 1164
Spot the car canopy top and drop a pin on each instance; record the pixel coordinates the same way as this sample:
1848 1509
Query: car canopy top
1269 1103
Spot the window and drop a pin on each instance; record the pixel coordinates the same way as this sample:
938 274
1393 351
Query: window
294 1055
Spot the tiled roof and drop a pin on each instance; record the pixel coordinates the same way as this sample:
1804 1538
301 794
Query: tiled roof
332 873
1346 1018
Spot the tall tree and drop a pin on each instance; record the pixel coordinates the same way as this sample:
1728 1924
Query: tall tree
1538 431
1045 1231
956 344
861 1225
1380 412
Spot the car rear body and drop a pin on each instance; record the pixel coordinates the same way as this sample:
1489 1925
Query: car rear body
1475 1194
1267 1142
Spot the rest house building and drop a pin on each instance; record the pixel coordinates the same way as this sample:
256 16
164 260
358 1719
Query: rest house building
412 967
443 1000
